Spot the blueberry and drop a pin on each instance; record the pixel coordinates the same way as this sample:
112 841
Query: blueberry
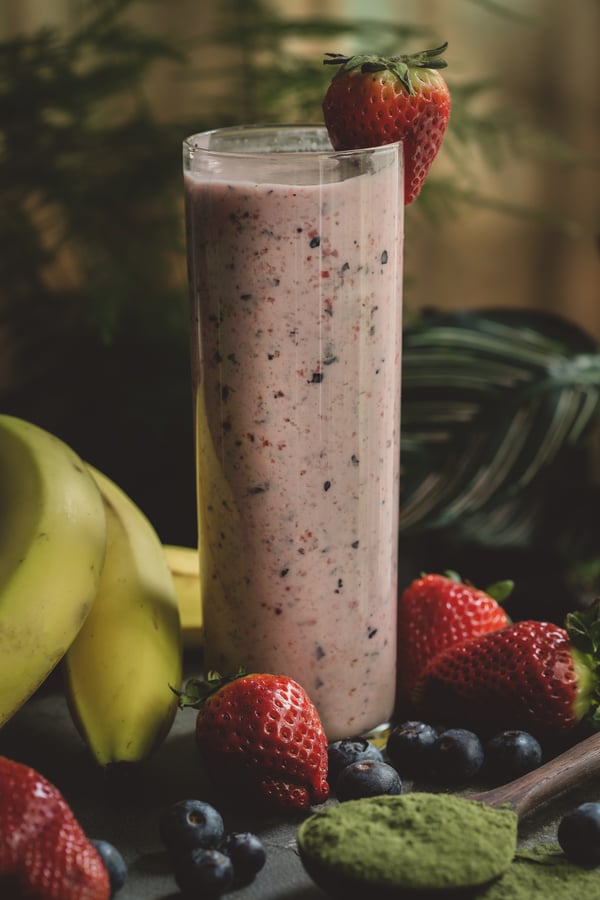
511 754
247 853
368 778
114 864
203 872
191 823
455 756
408 747
579 835
341 753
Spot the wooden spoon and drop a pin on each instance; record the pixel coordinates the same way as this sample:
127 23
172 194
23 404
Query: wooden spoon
545 783
521 797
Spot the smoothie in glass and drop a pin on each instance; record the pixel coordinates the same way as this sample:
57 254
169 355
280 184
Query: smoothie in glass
295 266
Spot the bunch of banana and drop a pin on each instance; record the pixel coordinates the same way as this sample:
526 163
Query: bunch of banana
52 550
84 579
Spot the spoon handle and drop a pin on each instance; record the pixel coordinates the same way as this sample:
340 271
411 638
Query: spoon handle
556 776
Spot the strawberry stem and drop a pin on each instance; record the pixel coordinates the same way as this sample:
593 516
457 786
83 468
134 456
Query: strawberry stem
399 66
198 690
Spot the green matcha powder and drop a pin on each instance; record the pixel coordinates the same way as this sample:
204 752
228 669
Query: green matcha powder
544 874
437 842
413 841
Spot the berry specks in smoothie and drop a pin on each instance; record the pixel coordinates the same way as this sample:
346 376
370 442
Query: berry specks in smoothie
293 328
259 488
329 356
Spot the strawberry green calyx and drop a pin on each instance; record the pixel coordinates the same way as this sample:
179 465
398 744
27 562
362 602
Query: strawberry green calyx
198 690
399 66
585 702
498 591
583 628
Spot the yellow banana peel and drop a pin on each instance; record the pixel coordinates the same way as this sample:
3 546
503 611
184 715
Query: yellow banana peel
184 563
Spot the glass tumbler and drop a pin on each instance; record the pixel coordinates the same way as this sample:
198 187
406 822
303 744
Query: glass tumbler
295 274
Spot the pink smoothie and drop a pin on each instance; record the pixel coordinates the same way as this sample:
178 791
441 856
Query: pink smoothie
296 357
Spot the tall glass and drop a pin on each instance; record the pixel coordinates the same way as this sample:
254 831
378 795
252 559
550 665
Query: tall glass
295 270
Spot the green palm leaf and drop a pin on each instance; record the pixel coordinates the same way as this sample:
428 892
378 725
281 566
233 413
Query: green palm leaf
490 402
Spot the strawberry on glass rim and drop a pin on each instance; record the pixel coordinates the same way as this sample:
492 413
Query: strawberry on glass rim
374 100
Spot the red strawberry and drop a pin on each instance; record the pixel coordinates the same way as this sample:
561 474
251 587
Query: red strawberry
374 100
531 675
437 611
44 854
261 736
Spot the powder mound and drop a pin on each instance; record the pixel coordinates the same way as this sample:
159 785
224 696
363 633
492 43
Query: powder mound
544 873
416 841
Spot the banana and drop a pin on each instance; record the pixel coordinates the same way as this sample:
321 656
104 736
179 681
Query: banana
121 666
52 546
184 563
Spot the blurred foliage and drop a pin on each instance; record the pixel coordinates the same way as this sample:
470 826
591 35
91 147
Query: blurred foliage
490 403
497 411
274 61
93 302
274 74
92 296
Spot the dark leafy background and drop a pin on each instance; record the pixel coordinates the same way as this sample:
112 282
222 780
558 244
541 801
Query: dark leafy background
498 408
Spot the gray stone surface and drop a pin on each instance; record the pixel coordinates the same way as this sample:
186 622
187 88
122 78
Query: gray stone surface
125 811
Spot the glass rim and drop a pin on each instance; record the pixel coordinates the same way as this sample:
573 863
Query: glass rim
192 146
